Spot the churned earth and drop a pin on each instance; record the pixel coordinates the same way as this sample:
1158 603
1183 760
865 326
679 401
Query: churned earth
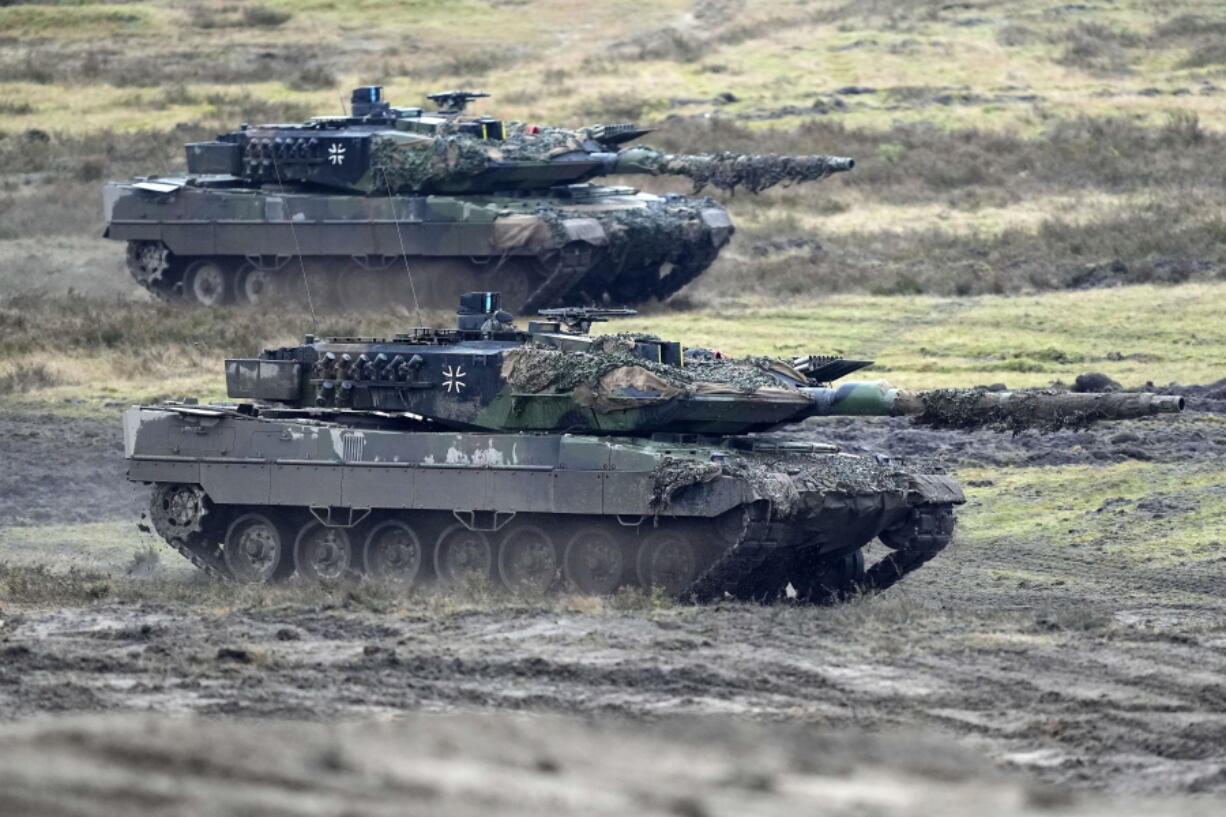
1074 636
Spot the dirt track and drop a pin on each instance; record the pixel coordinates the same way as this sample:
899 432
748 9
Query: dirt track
1086 674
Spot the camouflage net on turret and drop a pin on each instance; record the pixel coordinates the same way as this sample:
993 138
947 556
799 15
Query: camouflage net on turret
545 143
541 370
409 165
412 163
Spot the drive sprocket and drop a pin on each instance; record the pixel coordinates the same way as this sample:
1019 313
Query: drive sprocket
148 261
181 515
177 511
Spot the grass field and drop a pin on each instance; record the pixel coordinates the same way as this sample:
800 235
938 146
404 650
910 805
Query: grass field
1002 146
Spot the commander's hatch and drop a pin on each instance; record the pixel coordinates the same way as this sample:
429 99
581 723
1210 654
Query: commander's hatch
160 188
825 368
616 134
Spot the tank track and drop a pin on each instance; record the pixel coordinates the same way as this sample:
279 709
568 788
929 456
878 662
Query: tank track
526 288
196 549
755 568
732 573
924 534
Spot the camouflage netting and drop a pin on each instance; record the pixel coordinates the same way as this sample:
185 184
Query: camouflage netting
656 234
1044 410
728 171
673 474
645 234
620 343
782 480
411 164
541 370
520 145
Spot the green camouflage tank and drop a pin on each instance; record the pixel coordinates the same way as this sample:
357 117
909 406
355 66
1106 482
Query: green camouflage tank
398 203
546 458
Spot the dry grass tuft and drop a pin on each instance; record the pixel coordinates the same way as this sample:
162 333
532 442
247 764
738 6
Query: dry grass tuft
28 377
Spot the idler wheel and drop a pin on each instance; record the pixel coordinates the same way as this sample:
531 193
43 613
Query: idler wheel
393 553
594 562
256 549
527 559
668 559
208 283
322 553
462 552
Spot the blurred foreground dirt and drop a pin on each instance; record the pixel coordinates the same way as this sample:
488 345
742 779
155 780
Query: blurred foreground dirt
508 766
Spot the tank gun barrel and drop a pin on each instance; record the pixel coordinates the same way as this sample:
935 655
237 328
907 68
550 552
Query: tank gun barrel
977 408
728 171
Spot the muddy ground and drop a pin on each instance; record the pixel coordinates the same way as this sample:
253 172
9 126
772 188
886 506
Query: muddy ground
1086 675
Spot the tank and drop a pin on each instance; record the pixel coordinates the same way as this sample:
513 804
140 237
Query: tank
547 457
414 205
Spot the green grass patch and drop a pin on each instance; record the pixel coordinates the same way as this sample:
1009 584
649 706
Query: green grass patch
74 21
927 342
1135 511
92 546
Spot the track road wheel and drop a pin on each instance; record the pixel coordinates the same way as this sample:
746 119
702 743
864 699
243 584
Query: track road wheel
393 553
256 286
322 553
527 559
208 283
594 562
668 559
257 549
461 553
358 288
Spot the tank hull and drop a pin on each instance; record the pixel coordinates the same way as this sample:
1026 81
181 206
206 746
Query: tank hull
698 518
214 241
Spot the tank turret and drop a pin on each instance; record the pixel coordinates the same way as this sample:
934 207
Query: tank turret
383 150
554 376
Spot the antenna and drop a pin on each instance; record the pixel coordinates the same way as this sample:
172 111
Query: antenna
306 284
403 253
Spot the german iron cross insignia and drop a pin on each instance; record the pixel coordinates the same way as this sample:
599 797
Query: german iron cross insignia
455 378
